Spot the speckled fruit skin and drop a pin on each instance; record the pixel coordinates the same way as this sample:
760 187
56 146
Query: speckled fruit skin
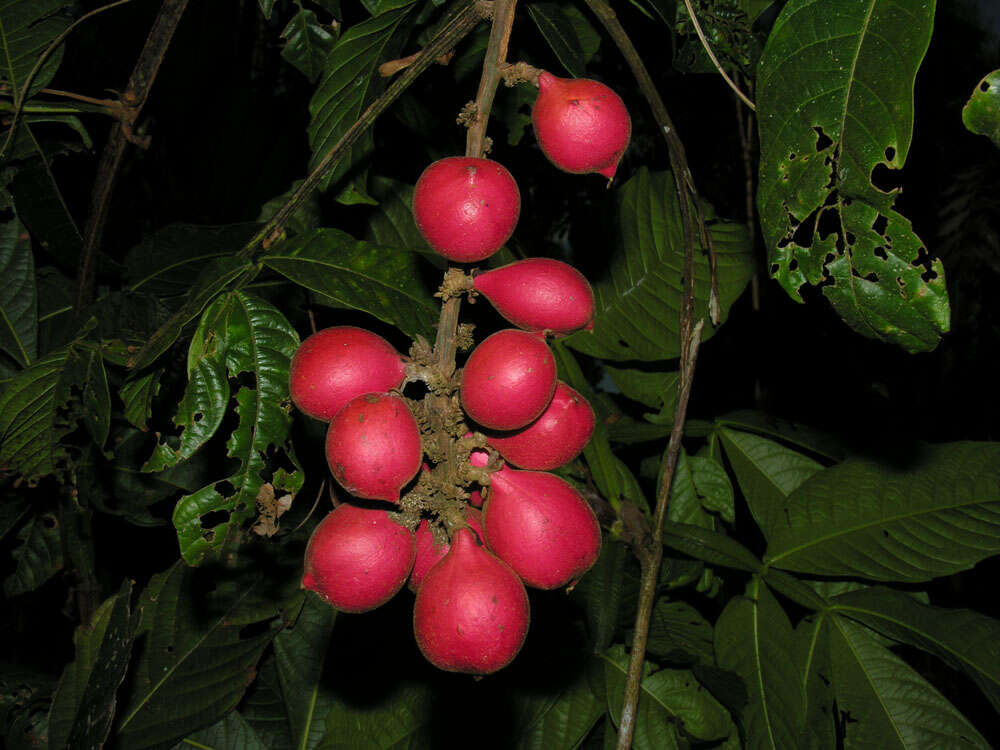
373 446
337 364
466 208
357 558
539 294
581 125
508 380
428 553
471 613
555 438
541 526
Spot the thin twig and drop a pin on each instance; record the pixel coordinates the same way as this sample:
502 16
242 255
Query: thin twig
745 126
715 61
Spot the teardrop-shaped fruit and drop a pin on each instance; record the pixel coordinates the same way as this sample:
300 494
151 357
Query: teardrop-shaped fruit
429 553
581 125
358 558
539 294
508 380
555 438
373 446
466 208
541 526
337 364
471 613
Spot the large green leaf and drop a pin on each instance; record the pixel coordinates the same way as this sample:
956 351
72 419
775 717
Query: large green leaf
966 640
600 591
194 654
345 272
570 35
349 84
812 660
18 306
264 708
936 515
678 633
785 431
891 706
307 43
38 555
391 223
981 113
567 718
711 546
754 638
231 733
137 397
638 300
27 27
399 720
653 388
83 706
835 106
238 333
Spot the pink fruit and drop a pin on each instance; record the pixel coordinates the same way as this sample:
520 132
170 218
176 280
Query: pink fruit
539 294
479 459
471 613
429 553
541 526
466 208
373 446
508 380
357 558
555 438
337 364
581 125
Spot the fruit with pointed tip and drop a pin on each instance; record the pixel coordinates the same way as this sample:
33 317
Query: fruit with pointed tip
582 125
539 294
508 380
541 526
337 364
358 558
471 614
429 552
373 446
466 208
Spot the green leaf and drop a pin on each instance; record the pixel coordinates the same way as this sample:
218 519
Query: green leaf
231 733
264 708
835 93
27 27
812 660
137 395
653 388
754 638
566 720
307 42
711 546
12 510
305 218
891 706
345 272
38 557
793 433
83 706
266 6
638 302
936 515
600 591
193 657
238 334
570 35
767 473
18 307
391 223
966 640
395 721
85 366
678 633
300 653
685 502
981 113
349 84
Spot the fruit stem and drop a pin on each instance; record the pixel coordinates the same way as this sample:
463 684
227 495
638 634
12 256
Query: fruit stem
493 61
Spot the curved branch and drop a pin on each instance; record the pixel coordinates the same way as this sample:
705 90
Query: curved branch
704 43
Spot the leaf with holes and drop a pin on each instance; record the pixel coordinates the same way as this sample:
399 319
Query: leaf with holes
981 113
238 334
638 302
27 28
936 514
835 106
18 307
307 42
37 555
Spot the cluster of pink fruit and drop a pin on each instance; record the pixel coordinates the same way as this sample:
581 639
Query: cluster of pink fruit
471 610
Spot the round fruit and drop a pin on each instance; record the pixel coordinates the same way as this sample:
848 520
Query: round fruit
581 125
373 446
429 553
541 526
471 613
539 294
555 438
508 380
337 364
466 208
357 558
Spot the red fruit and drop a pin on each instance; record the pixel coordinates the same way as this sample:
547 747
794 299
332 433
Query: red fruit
429 553
539 294
508 380
357 558
466 208
337 364
373 446
581 125
471 613
540 526
555 438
